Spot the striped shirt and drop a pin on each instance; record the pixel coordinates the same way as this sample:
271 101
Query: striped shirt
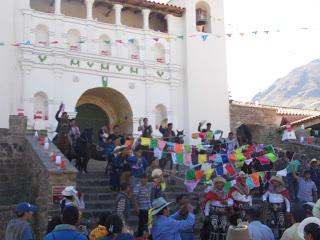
143 194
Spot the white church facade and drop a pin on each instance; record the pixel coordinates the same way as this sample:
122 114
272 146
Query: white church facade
114 61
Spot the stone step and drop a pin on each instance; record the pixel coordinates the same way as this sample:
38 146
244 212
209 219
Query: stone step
93 182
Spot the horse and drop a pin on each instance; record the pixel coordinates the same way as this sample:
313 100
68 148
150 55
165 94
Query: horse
62 140
85 149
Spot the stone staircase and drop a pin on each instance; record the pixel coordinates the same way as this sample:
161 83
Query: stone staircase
99 198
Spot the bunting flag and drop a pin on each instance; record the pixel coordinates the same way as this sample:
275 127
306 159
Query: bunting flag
204 37
219 171
195 135
272 157
153 143
190 174
187 159
202 158
263 160
157 153
227 187
191 185
178 148
187 149
230 170
255 179
161 144
282 173
179 157
199 174
130 40
174 157
145 141
209 173
250 182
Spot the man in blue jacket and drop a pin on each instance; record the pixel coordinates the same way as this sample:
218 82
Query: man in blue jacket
67 230
165 227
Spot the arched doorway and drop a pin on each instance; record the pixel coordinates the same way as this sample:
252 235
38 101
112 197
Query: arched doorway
98 106
91 115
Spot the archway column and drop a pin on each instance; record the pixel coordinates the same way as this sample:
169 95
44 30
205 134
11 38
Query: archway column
170 24
146 14
89 7
57 7
117 8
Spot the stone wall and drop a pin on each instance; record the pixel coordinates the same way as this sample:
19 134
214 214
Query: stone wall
30 174
304 152
263 122
12 165
6 213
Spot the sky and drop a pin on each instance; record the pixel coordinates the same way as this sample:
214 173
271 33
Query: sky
254 62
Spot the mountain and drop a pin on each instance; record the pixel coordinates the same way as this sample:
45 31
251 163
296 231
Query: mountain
299 89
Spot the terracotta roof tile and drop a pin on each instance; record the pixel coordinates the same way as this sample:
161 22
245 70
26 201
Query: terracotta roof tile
280 110
302 121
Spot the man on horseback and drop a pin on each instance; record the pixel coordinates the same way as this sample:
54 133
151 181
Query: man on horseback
64 118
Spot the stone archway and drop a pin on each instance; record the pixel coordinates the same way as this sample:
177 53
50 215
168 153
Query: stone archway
101 105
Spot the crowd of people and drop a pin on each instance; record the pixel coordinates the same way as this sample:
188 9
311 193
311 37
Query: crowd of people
286 207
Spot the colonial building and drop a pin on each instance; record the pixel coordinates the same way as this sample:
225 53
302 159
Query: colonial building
114 61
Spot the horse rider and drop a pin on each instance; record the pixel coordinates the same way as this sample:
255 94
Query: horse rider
64 119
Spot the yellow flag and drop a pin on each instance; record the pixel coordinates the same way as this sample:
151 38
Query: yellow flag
202 158
209 173
145 141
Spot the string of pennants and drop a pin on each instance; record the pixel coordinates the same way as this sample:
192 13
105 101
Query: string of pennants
204 37
204 165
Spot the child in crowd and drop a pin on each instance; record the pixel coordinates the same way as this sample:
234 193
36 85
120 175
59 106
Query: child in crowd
115 227
123 205
138 165
126 171
142 197
117 168
101 230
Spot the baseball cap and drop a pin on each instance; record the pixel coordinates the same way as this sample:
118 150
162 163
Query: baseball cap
24 207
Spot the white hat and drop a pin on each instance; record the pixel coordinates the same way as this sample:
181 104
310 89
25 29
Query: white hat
159 204
316 209
156 173
304 223
69 191
240 232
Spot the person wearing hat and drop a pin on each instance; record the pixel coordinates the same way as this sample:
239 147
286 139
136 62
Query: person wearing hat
307 191
166 227
71 197
20 228
218 204
278 204
309 229
240 193
158 184
316 209
240 232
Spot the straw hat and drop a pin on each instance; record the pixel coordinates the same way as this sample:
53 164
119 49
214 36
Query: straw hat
219 179
304 223
159 204
316 209
277 179
240 232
